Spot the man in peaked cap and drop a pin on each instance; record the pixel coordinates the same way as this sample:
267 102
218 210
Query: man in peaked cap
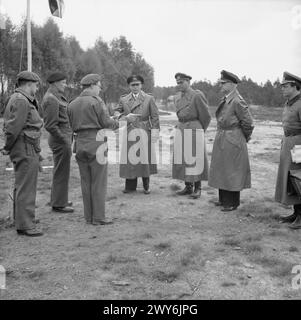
193 115
22 129
88 114
291 119
54 108
141 105
230 168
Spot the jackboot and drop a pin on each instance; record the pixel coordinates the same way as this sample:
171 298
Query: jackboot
197 190
187 190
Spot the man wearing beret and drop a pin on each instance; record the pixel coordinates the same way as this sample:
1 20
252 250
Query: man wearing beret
230 168
88 114
54 106
193 115
291 119
22 129
142 105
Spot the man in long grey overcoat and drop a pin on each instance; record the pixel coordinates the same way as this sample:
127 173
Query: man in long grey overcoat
291 119
230 169
54 108
146 126
194 118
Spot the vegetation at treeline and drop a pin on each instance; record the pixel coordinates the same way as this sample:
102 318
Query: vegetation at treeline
115 60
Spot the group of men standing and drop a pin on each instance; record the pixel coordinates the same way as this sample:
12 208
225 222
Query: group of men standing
80 121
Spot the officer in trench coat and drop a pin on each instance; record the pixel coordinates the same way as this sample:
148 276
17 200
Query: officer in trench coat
193 114
54 108
22 129
88 115
230 169
147 127
291 119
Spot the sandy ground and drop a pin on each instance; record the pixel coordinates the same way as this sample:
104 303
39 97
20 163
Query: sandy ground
161 246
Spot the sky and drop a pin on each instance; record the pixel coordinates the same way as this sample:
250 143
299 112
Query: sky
254 38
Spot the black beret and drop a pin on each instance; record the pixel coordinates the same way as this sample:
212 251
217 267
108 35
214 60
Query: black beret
134 78
290 78
228 76
56 76
28 76
89 79
182 76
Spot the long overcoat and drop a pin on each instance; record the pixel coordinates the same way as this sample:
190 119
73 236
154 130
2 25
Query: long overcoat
230 167
291 119
138 157
194 118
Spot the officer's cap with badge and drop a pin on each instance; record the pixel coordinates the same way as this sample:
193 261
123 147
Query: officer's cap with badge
89 79
182 76
134 79
290 78
56 76
28 76
227 76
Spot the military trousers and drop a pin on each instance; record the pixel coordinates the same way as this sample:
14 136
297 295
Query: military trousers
94 189
61 171
26 166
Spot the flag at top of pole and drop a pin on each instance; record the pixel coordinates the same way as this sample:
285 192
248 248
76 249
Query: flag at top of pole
56 7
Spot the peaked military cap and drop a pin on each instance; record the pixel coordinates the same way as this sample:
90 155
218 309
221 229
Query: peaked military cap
228 76
56 76
89 79
290 78
182 76
28 76
134 78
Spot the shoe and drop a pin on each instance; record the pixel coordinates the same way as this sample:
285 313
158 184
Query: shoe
128 191
296 224
186 190
146 191
30 233
63 209
102 222
217 203
196 194
288 219
226 209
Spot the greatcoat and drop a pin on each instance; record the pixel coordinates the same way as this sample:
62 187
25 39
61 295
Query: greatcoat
230 167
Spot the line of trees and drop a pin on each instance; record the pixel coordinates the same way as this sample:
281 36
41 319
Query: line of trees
115 60
51 51
267 94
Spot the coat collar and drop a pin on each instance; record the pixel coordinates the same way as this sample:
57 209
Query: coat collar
24 93
56 93
231 95
87 92
293 100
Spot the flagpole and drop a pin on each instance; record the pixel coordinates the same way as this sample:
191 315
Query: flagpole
29 50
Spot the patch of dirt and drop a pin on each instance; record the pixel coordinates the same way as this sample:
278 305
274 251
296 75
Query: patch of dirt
161 246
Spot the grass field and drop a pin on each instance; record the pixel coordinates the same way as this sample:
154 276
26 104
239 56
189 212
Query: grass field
161 246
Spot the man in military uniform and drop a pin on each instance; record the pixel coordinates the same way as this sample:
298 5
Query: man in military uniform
22 129
291 119
54 106
230 168
88 114
142 105
193 115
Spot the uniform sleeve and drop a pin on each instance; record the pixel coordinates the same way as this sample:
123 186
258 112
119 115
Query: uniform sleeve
154 114
16 121
51 117
202 110
103 116
245 119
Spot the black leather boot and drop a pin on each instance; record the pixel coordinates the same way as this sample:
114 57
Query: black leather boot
187 190
197 190
146 185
